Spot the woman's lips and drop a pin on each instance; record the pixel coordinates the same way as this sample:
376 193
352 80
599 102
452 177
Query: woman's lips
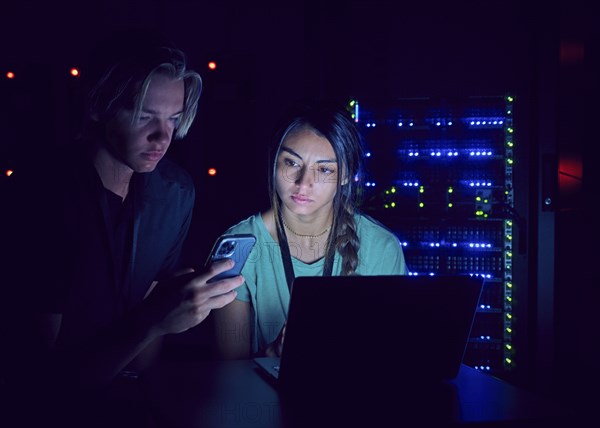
301 199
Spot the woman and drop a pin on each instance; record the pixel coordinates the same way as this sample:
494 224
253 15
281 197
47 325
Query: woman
312 228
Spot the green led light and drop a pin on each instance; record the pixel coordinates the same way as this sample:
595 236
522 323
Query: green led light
508 330
509 285
478 198
393 204
387 192
508 346
509 316
509 299
510 144
510 130
450 205
508 360
509 161
509 222
352 103
510 99
421 204
421 189
393 190
508 111
509 254
450 190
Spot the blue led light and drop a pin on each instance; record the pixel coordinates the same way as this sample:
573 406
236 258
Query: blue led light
480 184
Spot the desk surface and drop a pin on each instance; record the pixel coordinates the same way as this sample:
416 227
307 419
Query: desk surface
235 394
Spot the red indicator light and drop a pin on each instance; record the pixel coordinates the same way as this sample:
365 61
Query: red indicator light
74 72
212 65
9 172
10 75
212 172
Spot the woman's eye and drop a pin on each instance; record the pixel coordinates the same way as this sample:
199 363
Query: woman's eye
290 162
326 170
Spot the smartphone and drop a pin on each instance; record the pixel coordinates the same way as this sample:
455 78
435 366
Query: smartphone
236 247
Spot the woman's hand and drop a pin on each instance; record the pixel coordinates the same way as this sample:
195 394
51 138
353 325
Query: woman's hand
274 349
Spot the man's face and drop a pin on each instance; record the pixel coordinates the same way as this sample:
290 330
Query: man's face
142 144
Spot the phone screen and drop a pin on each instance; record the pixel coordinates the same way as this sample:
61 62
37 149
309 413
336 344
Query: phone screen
236 247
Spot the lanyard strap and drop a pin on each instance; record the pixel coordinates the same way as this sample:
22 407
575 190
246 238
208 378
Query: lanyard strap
286 257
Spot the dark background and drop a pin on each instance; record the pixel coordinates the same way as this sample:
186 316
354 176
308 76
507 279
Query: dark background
272 53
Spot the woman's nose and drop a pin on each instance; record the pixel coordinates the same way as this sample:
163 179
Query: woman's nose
305 177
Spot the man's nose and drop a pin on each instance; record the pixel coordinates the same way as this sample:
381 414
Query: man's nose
162 132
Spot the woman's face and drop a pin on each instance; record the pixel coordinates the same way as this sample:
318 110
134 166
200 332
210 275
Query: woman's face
306 173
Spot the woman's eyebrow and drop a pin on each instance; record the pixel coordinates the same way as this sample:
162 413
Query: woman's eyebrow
293 153
290 151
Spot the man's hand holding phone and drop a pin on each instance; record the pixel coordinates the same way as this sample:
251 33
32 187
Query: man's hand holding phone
183 302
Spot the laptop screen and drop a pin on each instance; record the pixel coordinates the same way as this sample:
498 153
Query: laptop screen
367 329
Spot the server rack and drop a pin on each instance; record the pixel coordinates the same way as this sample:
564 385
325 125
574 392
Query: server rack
439 173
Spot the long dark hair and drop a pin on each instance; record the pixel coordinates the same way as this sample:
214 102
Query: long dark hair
335 125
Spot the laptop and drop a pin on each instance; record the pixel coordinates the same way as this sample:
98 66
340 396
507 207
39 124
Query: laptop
357 333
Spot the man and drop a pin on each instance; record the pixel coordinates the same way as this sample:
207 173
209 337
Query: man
96 231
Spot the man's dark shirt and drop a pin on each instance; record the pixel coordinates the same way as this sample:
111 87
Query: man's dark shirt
71 251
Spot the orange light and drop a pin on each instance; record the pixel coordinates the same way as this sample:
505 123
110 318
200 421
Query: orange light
212 171
212 65
10 75
74 72
9 172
